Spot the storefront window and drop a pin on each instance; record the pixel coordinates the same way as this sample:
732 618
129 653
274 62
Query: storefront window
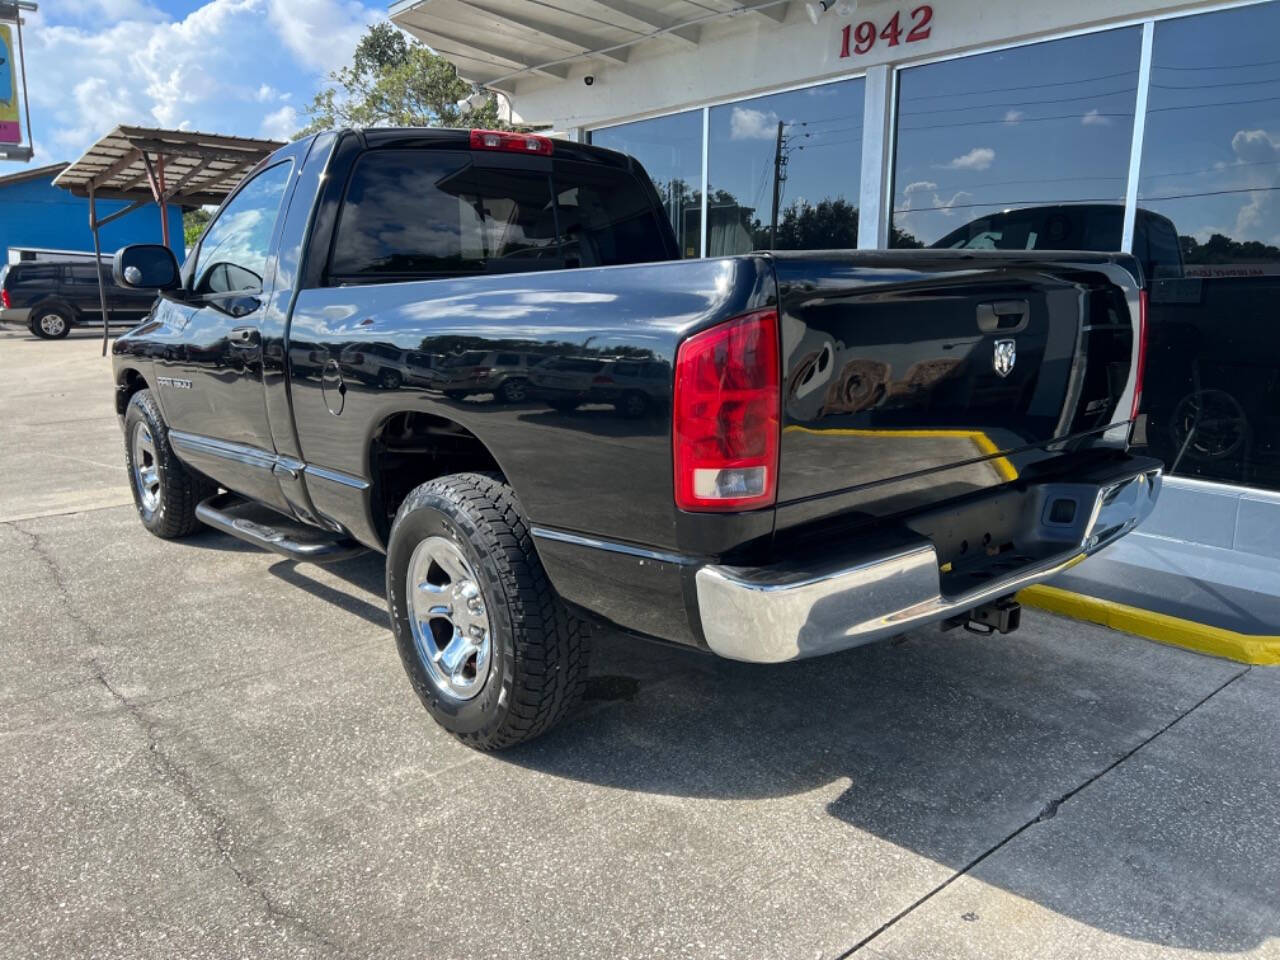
670 149
783 171
1210 188
1043 129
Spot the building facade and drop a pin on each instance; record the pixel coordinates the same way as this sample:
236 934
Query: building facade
1008 124
36 214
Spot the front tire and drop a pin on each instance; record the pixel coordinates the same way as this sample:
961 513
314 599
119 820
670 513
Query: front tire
50 323
489 648
164 490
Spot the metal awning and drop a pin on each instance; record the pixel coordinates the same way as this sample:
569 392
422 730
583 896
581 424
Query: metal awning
145 165
496 42
189 168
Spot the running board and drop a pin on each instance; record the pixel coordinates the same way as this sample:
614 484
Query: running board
263 527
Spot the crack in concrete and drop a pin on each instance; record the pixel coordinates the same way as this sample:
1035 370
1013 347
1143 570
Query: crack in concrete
1047 812
169 770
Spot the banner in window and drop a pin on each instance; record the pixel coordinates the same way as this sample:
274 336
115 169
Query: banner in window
10 129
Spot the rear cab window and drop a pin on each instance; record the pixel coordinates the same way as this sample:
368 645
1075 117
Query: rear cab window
415 213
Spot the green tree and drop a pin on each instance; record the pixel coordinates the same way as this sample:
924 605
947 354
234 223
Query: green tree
397 82
193 223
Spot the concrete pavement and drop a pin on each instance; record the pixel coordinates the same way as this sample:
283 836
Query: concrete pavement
208 751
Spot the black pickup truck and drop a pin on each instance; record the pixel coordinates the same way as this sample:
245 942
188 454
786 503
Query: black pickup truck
767 456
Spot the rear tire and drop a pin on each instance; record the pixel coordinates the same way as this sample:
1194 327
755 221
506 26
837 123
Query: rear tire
50 323
514 391
531 652
164 490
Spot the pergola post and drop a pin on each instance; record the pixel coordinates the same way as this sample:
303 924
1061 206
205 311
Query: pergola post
97 259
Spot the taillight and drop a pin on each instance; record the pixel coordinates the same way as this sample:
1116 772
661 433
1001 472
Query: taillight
4 299
725 415
480 372
601 379
511 142
1142 354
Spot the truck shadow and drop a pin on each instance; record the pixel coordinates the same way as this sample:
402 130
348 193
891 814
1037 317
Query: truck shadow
945 745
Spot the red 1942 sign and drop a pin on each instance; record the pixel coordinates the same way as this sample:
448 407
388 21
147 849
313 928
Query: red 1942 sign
860 39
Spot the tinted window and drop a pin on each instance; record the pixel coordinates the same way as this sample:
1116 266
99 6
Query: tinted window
807 144
233 253
1034 126
34 275
421 213
606 217
1084 227
83 276
571 365
508 359
670 149
1210 183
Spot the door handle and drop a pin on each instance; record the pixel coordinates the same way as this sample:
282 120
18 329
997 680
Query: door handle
1004 316
244 337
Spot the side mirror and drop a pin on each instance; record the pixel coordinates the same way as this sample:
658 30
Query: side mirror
146 266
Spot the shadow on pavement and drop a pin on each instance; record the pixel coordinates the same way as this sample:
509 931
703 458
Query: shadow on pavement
947 745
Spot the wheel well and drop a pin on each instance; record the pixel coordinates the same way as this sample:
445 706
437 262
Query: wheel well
131 381
55 303
410 448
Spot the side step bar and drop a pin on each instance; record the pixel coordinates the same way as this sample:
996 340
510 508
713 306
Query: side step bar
263 527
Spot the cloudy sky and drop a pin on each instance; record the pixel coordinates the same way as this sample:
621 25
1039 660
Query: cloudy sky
245 67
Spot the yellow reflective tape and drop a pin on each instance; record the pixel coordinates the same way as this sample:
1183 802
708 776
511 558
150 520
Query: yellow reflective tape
986 446
1201 637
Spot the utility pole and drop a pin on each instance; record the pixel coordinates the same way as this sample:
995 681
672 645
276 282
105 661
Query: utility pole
779 164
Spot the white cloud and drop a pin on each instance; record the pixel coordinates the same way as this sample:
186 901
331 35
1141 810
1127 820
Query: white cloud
1255 146
1095 119
226 67
748 124
1012 117
313 30
281 124
933 202
979 158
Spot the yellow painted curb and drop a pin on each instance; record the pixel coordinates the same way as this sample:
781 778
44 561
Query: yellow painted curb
1217 641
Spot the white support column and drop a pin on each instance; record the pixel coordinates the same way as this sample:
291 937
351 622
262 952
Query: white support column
706 204
874 200
1139 131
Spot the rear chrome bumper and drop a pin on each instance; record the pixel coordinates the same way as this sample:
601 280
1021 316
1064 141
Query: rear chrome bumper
804 608
20 315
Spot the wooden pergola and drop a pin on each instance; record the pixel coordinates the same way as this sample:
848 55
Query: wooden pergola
144 165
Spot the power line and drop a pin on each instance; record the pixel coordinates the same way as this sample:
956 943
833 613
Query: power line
1026 86
1021 103
1020 120
1222 66
1076 202
1012 203
1210 86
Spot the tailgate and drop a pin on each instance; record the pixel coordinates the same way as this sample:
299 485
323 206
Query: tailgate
918 376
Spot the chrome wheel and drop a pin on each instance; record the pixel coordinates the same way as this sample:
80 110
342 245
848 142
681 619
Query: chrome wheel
53 324
448 618
146 472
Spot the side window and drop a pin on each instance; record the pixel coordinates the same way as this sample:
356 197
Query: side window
233 252
424 213
507 360
35 276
